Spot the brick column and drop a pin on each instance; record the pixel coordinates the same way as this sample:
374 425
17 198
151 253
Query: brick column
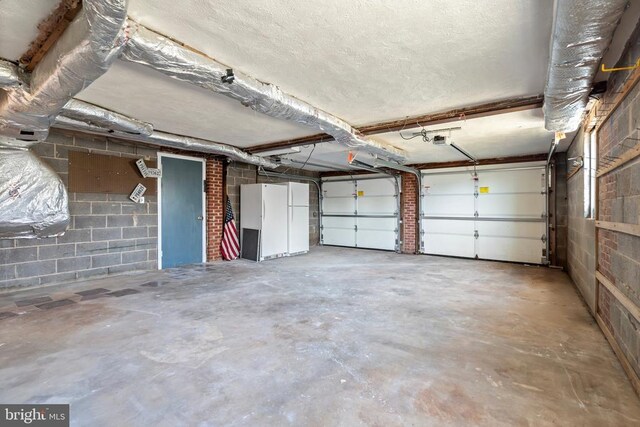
409 213
215 207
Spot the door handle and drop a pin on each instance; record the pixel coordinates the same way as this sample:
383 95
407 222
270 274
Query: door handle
264 212
199 218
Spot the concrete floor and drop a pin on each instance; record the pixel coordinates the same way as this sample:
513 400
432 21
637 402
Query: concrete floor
335 337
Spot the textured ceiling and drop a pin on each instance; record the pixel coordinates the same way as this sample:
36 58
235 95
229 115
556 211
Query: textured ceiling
362 61
177 107
19 21
369 61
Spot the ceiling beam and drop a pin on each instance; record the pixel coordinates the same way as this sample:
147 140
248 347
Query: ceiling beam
482 110
49 31
455 164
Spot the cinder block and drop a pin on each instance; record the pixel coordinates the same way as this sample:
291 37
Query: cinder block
58 278
8 243
134 232
134 208
80 208
75 236
105 260
7 272
107 208
97 143
44 149
122 198
57 251
135 256
146 265
23 243
19 283
58 165
122 245
92 248
148 243
119 221
145 220
74 264
92 272
89 221
37 268
98 234
15 255
153 231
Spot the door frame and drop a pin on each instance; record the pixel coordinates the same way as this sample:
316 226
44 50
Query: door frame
204 203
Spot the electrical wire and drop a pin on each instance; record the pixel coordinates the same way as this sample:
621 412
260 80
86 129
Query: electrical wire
308 157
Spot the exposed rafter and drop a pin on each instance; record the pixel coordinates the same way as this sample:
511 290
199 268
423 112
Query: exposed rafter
473 112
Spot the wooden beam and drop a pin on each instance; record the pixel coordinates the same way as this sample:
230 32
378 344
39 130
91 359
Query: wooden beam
625 157
482 110
629 305
493 161
633 229
457 114
50 30
631 373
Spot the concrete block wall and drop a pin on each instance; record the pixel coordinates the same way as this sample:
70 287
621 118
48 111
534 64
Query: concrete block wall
619 201
239 173
108 233
581 257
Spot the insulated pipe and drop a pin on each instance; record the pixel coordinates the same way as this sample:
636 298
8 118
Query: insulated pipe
101 117
84 52
153 50
164 139
9 75
582 31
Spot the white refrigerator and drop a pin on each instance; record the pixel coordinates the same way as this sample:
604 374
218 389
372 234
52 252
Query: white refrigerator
263 207
298 218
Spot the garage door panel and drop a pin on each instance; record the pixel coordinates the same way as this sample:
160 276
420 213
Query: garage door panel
444 183
377 187
377 205
376 233
512 181
511 241
339 205
449 237
449 205
511 205
339 231
339 188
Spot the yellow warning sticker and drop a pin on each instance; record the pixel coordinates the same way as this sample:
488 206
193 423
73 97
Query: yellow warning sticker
484 190
360 193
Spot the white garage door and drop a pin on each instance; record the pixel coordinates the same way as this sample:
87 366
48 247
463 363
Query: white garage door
492 212
360 213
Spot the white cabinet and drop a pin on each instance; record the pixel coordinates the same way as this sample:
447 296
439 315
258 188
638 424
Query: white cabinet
298 218
263 207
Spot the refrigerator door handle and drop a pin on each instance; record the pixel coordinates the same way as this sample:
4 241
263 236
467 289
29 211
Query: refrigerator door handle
264 212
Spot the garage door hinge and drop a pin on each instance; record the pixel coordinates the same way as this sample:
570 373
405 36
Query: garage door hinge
475 193
355 227
475 234
476 214
543 238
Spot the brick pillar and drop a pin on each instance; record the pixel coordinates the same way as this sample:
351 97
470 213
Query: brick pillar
215 207
409 213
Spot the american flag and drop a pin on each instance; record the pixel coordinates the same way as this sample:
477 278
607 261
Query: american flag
230 245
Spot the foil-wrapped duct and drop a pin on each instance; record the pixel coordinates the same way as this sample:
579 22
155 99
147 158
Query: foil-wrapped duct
101 117
151 49
83 53
33 199
582 32
163 139
9 75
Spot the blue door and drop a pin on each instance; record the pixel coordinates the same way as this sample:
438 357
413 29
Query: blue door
182 196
